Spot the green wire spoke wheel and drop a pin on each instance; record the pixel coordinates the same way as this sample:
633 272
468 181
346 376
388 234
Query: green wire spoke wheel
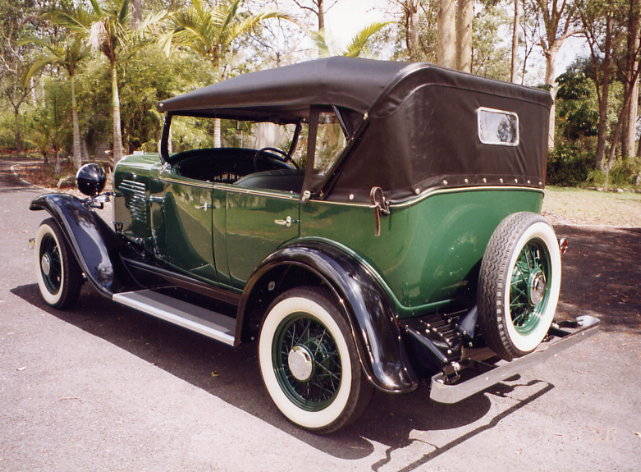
519 284
309 361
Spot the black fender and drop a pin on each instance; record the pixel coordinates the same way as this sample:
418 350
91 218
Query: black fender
94 244
369 311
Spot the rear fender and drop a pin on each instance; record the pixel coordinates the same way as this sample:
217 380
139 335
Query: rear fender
369 311
94 244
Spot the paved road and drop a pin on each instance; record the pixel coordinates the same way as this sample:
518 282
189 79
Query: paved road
105 388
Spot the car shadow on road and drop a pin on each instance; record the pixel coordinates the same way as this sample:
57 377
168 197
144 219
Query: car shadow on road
601 276
233 376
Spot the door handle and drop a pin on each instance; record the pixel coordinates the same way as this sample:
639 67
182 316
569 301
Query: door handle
287 222
204 206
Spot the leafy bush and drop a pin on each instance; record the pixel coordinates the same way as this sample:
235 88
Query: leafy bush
567 166
624 173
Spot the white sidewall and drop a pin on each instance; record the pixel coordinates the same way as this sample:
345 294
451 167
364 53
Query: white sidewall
530 341
307 419
50 298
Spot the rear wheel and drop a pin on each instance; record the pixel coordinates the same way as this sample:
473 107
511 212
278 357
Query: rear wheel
519 284
57 272
309 362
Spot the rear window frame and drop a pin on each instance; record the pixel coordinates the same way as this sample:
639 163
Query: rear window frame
479 112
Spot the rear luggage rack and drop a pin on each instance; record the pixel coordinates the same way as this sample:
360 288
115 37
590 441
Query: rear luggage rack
559 338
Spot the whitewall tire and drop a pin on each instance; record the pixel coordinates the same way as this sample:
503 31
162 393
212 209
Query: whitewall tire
309 361
519 284
57 273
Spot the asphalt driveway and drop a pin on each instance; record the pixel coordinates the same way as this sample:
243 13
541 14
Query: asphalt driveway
103 387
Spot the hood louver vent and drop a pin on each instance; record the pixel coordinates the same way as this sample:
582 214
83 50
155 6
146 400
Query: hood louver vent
135 198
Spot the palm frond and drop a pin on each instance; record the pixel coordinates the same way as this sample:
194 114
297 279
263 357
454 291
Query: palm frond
249 24
319 40
123 12
36 66
96 7
360 40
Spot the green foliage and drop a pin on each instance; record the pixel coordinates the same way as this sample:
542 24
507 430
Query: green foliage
567 165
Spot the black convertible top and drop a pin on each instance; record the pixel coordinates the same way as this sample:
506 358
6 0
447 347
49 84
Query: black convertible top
285 93
418 126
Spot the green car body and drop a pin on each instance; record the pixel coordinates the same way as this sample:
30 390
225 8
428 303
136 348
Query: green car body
426 258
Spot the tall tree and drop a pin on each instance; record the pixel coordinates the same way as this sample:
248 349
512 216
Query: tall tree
515 40
464 16
318 8
211 33
603 32
560 22
107 28
67 55
410 22
446 47
631 110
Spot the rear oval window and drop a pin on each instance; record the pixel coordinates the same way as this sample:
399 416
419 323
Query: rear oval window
498 126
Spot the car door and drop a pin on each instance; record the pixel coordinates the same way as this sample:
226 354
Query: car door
257 223
187 215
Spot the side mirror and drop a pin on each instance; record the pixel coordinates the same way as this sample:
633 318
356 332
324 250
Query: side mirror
90 179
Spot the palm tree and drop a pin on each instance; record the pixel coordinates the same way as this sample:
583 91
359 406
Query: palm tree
355 48
107 29
68 55
211 32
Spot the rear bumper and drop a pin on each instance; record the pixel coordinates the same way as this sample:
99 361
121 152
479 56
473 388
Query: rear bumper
560 339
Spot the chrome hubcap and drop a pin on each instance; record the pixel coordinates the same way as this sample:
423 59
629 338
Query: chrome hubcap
45 264
537 287
300 363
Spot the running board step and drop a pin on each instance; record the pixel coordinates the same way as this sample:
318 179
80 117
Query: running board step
192 317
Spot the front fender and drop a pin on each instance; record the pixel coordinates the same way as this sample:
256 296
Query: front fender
370 312
94 244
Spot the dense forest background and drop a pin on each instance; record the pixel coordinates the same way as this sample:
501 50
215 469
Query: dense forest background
80 80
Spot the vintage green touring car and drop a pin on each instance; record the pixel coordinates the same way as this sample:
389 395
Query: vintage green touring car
368 224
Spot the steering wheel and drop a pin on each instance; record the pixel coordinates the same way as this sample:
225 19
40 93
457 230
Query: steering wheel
285 157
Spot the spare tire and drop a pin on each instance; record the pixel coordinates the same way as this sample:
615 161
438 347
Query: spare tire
519 284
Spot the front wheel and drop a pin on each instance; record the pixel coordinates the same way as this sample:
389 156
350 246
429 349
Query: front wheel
57 272
519 284
309 361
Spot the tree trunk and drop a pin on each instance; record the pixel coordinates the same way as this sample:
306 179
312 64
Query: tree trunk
602 128
320 14
632 63
115 108
411 29
446 46
217 134
550 56
515 41
77 153
17 135
136 13
464 16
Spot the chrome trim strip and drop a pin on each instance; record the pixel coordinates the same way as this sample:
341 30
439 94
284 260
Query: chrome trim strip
230 188
264 193
443 393
428 193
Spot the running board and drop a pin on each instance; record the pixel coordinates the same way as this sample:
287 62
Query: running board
192 317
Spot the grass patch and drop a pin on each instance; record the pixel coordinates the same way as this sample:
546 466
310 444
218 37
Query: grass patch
567 205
